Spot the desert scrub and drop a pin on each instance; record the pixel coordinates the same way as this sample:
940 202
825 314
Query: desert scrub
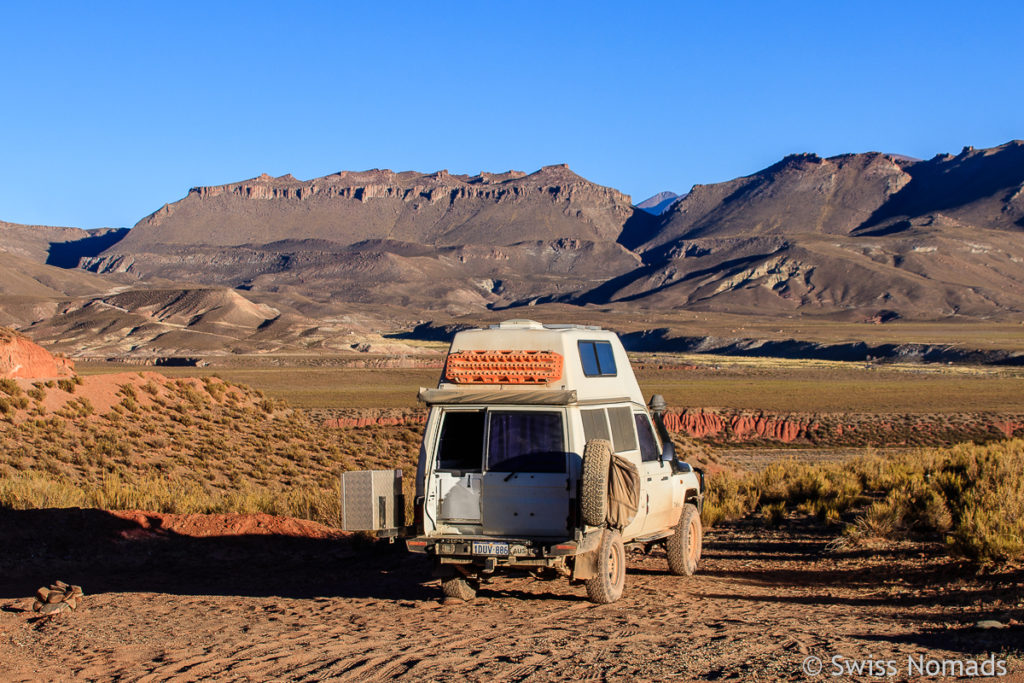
31 490
80 407
224 456
10 387
37 392
825 492
68 385
216 389
969 496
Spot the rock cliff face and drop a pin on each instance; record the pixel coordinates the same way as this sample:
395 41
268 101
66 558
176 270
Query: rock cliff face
23 359
426 240
437 209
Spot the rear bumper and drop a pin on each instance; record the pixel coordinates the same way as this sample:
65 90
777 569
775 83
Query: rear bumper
511 551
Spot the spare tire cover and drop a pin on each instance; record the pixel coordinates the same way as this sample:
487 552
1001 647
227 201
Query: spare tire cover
623 492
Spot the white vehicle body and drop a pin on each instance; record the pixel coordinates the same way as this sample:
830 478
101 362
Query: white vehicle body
501 470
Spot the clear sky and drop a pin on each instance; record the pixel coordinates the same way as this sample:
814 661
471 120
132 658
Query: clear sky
110 110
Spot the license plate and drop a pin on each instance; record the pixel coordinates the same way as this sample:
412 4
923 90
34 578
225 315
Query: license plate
489 548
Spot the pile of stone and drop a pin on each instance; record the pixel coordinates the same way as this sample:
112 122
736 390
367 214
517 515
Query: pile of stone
59 597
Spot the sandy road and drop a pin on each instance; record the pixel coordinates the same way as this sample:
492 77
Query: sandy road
286 608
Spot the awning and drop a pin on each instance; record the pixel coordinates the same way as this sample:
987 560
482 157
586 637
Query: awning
507 397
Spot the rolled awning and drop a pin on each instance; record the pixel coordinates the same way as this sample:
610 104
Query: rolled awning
507 397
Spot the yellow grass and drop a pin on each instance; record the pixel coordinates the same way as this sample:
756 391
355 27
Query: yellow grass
970 496
179 447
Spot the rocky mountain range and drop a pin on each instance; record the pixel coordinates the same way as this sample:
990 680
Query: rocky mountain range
928 239
427 240
857 236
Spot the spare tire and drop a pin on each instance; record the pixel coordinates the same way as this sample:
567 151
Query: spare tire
597 458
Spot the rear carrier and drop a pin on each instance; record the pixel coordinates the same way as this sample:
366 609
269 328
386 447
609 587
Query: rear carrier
372 500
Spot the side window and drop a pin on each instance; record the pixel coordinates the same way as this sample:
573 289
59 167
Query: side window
525 441
595 424
648 445
597 358
461 445
623 431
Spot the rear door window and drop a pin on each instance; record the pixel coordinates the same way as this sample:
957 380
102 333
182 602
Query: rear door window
461 445
525 441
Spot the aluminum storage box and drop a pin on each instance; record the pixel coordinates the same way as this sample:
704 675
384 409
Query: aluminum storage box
372 500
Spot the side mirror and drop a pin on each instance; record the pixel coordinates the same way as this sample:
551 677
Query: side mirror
658 406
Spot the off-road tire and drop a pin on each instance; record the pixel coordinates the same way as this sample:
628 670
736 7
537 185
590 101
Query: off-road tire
684 546
597 460
458 587
607 584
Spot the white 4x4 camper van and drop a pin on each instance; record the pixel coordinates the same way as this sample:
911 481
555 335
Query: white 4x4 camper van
540 456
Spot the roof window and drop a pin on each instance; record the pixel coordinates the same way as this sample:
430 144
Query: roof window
598 359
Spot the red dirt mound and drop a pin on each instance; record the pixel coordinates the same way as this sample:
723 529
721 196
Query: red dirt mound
23 359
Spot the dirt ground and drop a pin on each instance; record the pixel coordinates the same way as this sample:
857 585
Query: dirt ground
228 598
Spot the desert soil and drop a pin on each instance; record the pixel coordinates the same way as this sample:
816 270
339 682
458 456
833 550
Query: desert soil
232 597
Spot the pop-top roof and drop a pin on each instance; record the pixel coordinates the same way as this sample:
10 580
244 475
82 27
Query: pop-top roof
525 355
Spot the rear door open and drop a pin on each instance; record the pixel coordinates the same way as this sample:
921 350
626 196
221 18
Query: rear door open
503 472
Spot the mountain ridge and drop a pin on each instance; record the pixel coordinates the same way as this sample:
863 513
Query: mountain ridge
848 237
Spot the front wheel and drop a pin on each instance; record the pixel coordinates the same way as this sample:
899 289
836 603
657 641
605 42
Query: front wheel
684 546
607 583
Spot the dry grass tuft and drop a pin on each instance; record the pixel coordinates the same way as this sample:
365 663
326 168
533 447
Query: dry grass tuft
970 496
187 446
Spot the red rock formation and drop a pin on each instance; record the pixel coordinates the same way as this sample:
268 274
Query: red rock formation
23 359
774 429
376 420
723 426
1009 427
697 423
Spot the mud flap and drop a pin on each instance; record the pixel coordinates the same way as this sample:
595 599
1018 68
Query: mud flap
584 566
585 563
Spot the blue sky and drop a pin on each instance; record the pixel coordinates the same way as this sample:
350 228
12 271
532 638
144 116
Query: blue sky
110 110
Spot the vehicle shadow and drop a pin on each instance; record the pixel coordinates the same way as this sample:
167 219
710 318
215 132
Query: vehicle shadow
971 641
105 553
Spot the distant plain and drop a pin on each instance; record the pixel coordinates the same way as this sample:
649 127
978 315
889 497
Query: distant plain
686 381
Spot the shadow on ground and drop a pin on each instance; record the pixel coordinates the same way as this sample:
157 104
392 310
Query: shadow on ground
104 553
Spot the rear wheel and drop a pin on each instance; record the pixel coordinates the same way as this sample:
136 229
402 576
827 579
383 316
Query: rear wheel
458 587
684 546
607 584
